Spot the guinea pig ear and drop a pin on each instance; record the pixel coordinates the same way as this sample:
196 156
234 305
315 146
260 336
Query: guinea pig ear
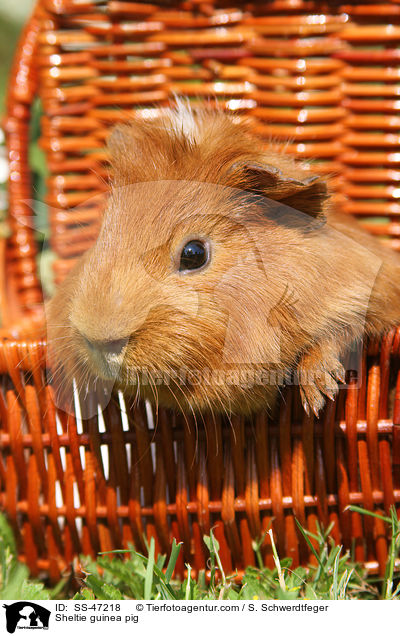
306 194
117 140
123 148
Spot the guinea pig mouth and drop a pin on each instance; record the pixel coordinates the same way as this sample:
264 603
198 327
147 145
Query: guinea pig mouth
111 367
107 357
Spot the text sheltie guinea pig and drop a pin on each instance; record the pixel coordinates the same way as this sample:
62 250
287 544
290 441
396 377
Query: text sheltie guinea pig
218 257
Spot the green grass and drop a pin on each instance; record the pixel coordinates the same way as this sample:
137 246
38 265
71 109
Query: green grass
126 574
15 582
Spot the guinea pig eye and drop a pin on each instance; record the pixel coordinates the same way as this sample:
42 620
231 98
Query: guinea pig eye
193 256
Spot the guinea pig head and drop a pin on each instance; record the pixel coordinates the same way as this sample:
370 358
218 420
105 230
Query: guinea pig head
186 268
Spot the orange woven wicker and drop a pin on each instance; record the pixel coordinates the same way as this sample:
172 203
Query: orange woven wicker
325 77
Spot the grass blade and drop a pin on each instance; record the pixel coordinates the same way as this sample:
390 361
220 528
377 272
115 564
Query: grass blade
310 545
188 582
369 513
277 562
176 548
148 581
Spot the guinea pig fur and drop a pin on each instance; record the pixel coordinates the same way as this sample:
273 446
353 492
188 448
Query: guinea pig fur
218 264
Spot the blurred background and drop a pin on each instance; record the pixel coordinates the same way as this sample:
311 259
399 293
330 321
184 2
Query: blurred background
13 14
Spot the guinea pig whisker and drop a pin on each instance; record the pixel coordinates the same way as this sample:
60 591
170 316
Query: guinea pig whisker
212 414
216 436
233 431
66 379
68 346
51 340
25 357
193 413
53 324
66 376
228 414
38 364
179 406
137 396
83 384
63 369
155 394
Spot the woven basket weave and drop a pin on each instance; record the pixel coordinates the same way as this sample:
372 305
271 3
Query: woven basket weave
325 77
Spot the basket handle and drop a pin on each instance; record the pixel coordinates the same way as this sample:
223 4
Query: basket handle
21 297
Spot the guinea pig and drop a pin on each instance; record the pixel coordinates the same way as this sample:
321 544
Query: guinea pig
220 270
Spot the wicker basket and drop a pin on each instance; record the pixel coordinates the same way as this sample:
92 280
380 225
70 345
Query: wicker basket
324 76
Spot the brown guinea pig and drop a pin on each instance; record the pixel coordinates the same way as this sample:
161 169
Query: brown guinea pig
219 271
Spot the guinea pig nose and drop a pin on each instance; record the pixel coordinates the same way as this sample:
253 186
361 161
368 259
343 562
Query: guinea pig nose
112 346
107 346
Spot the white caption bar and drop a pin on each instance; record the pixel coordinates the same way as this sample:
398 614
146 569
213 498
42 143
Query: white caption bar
171 617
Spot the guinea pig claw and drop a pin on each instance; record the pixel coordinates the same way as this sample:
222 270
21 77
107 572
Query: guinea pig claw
331 394
295 182
274 170
302 183
306 407
340 375
310 180
262 169
316 410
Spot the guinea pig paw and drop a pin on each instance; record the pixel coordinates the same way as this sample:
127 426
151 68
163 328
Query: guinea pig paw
339 373
312 399
319 375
